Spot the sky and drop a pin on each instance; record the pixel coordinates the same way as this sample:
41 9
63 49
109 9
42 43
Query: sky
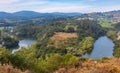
66 6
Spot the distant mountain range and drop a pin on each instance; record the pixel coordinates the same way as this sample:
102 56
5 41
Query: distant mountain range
31 17
34 14
31 14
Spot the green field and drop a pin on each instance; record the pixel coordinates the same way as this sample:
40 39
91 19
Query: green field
1 28
105 23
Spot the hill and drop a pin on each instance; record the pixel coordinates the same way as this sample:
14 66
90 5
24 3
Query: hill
32 14
92 66
27 14
113 16
31 17
5 15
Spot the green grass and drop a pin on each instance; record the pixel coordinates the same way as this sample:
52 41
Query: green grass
1 28
105 23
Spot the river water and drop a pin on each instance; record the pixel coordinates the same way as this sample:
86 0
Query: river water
103 47
24 43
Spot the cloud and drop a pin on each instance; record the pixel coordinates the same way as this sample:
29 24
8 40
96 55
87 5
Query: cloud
56 6
2 2
62 7
22 2
91 0
31 3
18 5
105 8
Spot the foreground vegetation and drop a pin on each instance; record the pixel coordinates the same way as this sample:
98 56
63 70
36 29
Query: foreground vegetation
60 44
27 61
104 65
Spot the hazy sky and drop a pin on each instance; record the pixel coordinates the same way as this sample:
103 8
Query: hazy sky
84 6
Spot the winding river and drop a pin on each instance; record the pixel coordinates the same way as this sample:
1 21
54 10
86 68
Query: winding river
24 43
103 47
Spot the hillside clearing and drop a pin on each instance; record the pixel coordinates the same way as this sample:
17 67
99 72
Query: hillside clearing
61 36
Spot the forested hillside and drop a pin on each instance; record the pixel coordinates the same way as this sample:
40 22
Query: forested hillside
61 42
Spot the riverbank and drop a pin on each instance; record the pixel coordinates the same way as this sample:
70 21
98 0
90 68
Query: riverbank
24 43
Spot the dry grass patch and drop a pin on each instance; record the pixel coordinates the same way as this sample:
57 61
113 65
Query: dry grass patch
62 39
91 66
5 68
63 36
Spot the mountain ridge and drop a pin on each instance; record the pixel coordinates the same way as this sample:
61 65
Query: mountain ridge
35 14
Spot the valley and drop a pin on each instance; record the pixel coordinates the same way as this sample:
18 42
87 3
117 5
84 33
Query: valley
60 42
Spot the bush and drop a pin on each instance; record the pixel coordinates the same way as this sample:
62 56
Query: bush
19 62
4 55
68 59
70 30
86 44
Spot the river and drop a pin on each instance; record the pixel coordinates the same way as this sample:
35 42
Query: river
103 47
24 43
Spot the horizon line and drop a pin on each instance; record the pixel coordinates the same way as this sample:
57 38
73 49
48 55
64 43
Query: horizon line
62 12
